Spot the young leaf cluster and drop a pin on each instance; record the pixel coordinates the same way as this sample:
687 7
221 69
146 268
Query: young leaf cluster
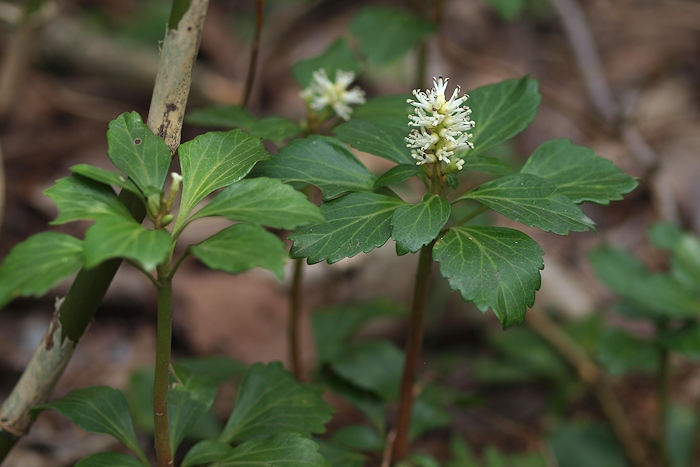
208 163
271 422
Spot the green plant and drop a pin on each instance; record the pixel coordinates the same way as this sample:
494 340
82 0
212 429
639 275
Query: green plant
496 268
668 301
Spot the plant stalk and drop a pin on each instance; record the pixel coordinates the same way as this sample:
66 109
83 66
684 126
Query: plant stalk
295 304
414 347
664 380
695 443
254 50
161 382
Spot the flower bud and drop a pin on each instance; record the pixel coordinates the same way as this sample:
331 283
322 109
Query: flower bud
167 219
153 205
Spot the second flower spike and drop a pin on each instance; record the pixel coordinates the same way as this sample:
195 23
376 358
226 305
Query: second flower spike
323 94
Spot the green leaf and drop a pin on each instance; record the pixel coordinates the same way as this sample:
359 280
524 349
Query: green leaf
462 454
380 127
680 430
397 175
322 161
274 129
218 369
487 165
533 201
428 412
586 445
215 160
685 340
334 325
665 236
338 56
657 293
118 237
367 402
685 247
378 138
109 459
339 456
206 451
359 437
493 267
386 34
685 264
262 201
372 365
38 264
136 151
139 394
495 458
501 111
235 116
107 177
358 222
507 9
98 409
415 225
578 173
242 247
271 402
525 357
79 198
420 460
290 450
226 116
188 403
621 352
390 110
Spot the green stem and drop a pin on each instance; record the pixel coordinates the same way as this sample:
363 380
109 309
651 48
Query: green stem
254 51
695 445
161 382
413 351
7 442
664 379
139 268
295 304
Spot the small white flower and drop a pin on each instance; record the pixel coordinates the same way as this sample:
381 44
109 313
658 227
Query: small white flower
174 189
322 93
440 126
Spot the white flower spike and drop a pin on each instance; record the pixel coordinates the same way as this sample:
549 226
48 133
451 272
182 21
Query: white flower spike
322 93
440 126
